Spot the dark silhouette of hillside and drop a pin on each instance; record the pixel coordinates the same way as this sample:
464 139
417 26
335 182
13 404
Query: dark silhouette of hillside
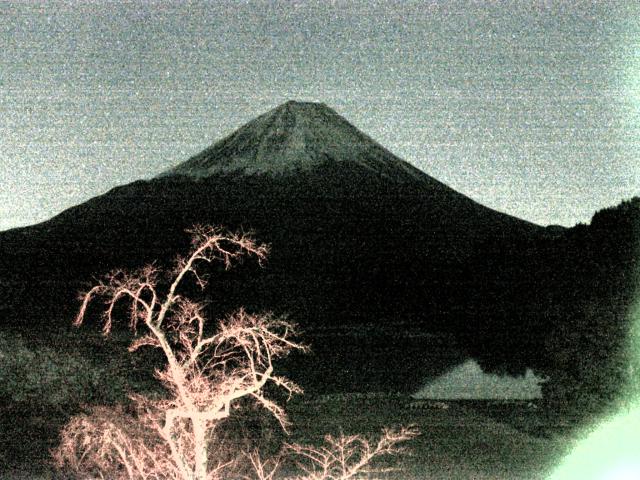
564 302
373 257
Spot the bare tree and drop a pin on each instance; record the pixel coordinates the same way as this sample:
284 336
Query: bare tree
348 456
204 375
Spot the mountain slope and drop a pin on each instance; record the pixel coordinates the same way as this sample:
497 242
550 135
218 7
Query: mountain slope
359 239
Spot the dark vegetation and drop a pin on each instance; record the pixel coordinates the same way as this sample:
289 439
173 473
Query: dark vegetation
562 306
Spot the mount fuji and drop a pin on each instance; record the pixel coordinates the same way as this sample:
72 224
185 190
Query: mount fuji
364 246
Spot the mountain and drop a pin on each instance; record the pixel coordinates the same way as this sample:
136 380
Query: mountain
393 275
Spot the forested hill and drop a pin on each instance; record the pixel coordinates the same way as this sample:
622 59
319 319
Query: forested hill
564 302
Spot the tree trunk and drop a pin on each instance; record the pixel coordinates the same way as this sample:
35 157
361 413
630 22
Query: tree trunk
201 450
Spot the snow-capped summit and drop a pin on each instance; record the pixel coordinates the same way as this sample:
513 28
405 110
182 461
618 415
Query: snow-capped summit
294 137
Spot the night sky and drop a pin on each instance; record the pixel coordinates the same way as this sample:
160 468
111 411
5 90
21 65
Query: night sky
531 108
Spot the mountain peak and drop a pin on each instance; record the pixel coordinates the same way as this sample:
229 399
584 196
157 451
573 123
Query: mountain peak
302 106
295 136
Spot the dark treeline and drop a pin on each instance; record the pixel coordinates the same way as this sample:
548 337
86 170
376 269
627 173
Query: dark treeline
561 304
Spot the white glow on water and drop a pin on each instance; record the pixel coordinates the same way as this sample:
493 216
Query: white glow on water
468 382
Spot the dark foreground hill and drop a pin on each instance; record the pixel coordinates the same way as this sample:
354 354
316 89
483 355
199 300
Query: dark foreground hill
373 257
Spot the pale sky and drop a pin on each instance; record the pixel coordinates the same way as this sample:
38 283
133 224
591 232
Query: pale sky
531 108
